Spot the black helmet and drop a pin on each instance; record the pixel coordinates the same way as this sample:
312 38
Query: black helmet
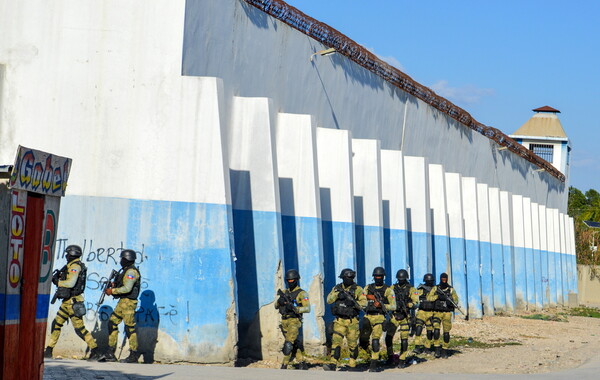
129 255
292 274
73 251
378 271
402 274
443 275
428 278
347 272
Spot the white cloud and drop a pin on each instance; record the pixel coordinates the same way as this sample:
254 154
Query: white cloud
466 95
391 60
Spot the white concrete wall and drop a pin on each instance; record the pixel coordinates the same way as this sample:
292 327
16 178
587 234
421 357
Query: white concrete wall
528 241
439 221
472 249
485 248
518 233
537 255
552 269
368 212
418 215
544 257
508 249
456 230
497 258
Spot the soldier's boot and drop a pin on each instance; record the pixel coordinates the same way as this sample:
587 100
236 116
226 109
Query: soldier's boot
419 349
438 352
48 353
374 367
302 366
402 363
444 353
283 366
94 355
133 357
329 367
109 356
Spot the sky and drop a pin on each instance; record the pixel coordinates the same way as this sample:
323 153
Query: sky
497 59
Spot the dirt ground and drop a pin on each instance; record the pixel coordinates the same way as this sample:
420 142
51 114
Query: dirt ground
534 345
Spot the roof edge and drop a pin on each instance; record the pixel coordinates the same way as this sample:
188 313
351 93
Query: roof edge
332 38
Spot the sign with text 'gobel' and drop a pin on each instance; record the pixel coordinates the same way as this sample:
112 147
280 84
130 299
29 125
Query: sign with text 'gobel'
40 172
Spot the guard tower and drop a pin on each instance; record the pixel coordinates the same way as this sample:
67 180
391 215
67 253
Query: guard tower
544 135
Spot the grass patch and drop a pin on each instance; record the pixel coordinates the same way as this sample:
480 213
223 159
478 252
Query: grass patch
461 341
584 312
546 317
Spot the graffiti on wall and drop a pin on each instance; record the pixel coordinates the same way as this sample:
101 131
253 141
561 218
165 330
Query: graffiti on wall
40 172
17 237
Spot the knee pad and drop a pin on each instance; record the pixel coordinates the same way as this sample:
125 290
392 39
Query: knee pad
419 330
363 342
429 334
446 337
112 327
436 334
389 340
129 330
287 348
354 353
404 345
375 345
337 353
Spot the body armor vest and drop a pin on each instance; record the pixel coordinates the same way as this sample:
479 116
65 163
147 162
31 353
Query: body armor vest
444 305
373 289
345 308
288 312
135 291
402 300
81 279
423 303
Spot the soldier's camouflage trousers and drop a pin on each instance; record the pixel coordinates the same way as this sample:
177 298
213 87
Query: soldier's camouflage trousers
445 320
347 328
372 328
125 311
64 313
423 321
291 328
391 328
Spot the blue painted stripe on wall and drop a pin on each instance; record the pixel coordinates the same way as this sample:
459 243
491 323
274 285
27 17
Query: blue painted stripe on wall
473 278
10 307
43 303
487 289
530 276
520 278
498 286
185 268
302 246
419 257
338 253
258 255
565 277
369 254
537 263
441 255
395 251
559 278
509 277
545 279
459 275
575 279
552 277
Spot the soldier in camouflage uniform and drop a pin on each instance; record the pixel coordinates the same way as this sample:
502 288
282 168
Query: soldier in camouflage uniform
406 298
380 301
442 315
424 315
70 281
292 303
348 300
126 288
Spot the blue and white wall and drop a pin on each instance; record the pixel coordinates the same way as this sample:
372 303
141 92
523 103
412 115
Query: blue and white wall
204 138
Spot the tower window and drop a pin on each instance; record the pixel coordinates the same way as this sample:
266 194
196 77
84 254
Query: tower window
543 150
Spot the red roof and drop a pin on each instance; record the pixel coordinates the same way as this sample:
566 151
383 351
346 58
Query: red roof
546 109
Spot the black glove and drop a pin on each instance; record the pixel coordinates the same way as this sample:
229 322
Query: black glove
56 278
281 301
342 296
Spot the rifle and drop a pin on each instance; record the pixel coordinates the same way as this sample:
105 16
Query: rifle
289 302
446 298
122 345
407 311
349 296
105 285
379 298
57 275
